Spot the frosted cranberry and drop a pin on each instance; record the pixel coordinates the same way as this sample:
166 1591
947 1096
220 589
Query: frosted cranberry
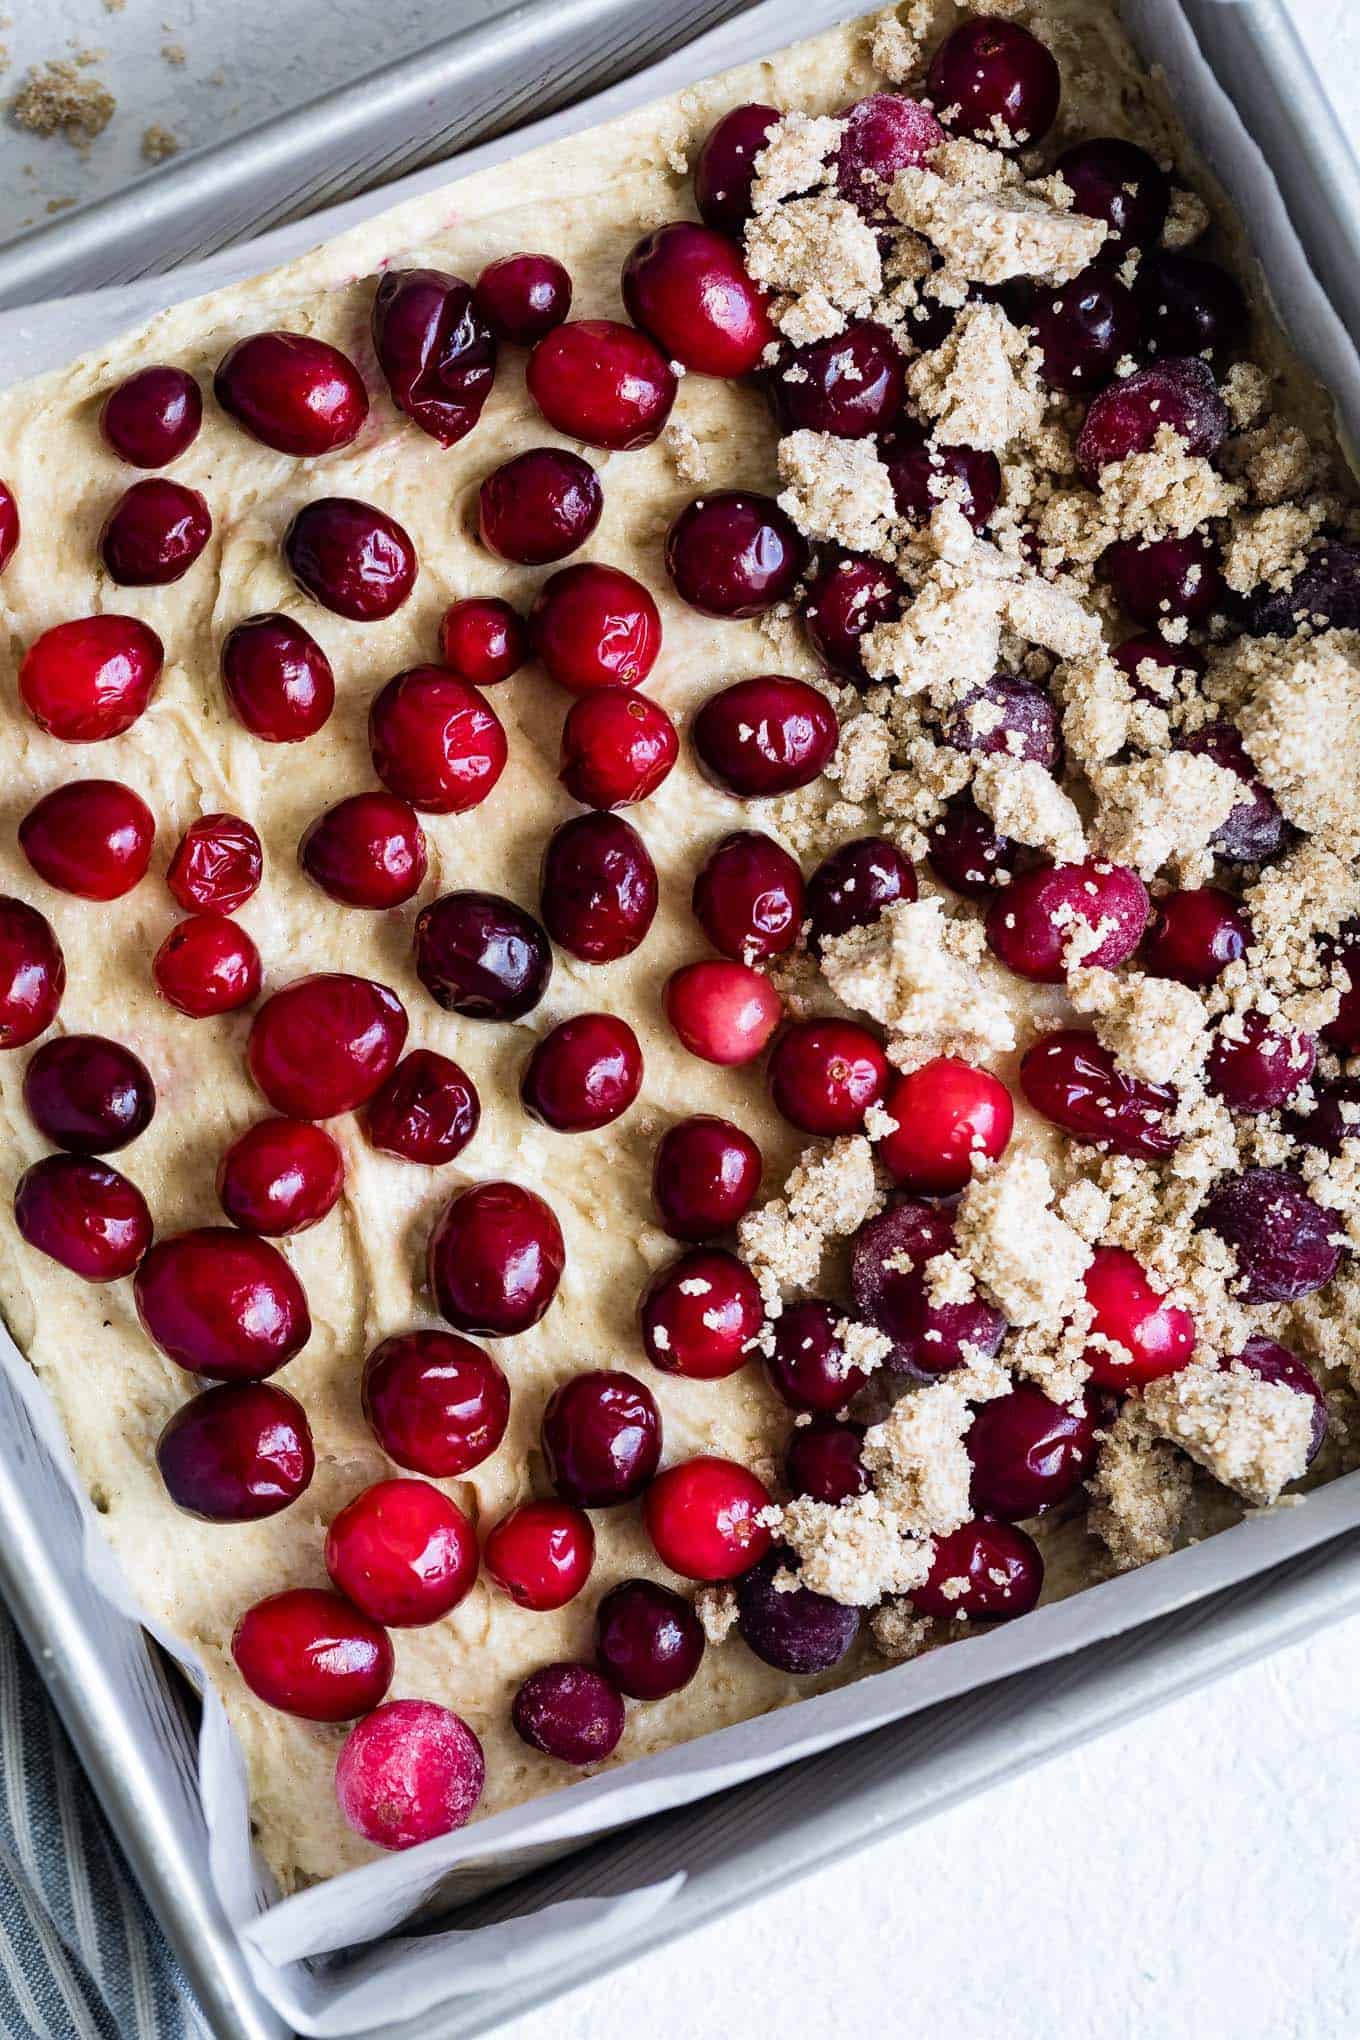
539 506
32 973
152 416
734 554
403 1553
825 1074
154 533
700 1316
1165 579
1114 180
882 135
855 885
1285 1244
1007 716
436 742
748 896
703 1517
482 956
808 1368
307 1652
1001 1566
704 1177
725 166
84 1215
1194 935
280 1176
408 1772
928 1338
967 853
1074 1082
1255 830
222 1303
9 525
236 1453
541 1554
1028 1453
436 1403
794 1630
292 392
617 748
851 385
522 297
584 1073
351 557
1333 1118
649 1639
1254 1067
483 640
846 600
599 887
436 350
217 864
996 81
1031 922
88 1095
723 1012
207 964
570 1712
949 1116
1271 1362
603 382
1174 661
923 474
1325 594
324 1044
90 837
427 1111
1189 306
1153 1337
824 1461
687 287
765 736
1344 950
601 1439
496 1257
277 679
595 626
91 679
1084 329
367 851
1126 418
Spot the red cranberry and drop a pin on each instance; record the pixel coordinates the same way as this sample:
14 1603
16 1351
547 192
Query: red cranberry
236 1453
1126 418
808 1368
855 885
540 506
1189 307
1007 717
88 1095
436 350
9 525
522 297
850 385
732 554
207 964
496 1257
309 1653
84 1215
352 558
325 1043
603 382
723 1012
1176 662
1084 330
649 1639
278 679
928 1338
222 1303
483 640
705 1177
995 81
1150 1337
1028 1453
1325 594
1114 180
847 599
686 286
795 1630
599 887
1332 1119
703 1517
218 863
595 626
366 851
436 1403
436 742
1165 579
90 837
966 853
748 896
1255 1067
292 392
541 1554
1269 1361
725 166
1031 922
617 747
765 736
1284 1243
32 974
570 1712
924 474
1344 951
427 1111
883 134
152 416
601 1439
950 1115
1194 935
584 1073
982 1572
403 1553
408 1772
701 1315
154 533
91 679
280 1176
482 956
1255 830
825 1074
824 1461
1071 1080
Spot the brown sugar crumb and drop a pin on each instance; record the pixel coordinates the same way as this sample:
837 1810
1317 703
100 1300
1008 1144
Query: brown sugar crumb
158 144
688 457
1299 714
1139 1491
1252 1435
1276 461
716 1608
926 978
1270 547
863 757
174 53
1162 810
897 40
1155 1029
990 231
919 1463
58 100
1245 390
830 1193
837 490
1026 803
854 1552
981 386
820 259
794 159
896 1633
1187 218
1021 1252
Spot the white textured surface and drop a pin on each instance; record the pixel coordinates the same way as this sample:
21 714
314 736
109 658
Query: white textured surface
1189 1876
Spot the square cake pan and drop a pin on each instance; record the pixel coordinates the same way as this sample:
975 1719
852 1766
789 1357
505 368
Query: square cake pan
533 57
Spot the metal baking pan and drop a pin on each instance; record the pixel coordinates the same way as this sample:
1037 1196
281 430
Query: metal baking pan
750 1841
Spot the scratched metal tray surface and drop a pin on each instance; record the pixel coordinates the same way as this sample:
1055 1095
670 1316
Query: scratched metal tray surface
530 59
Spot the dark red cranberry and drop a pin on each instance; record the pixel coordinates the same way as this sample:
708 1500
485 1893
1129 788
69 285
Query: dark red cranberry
765 736
570 1712
584 1073
308 1652
1114 180
723 1012
482 956
1344 951
950 1116
1284 1243
855 885
217 864
882 135
704 1177
725 166
1074 1082
152 416
292 392
1175 662
522 297
427 1111
436 350
540 506
1007 717
88 1095
496 1257
207 964
408 1772
808 1368
1028 1453
1194 935
825 1074
617 747
824 1461
1032 921
436 742
1332 1119
367 851
403 1553
595 626
928 1338
483 640
436 1403
1126 418
277 678
795 1630
91 679
701 1315
9 525
351 557
154 533
851 385
1269 1361
32 974
236 1453
649 1639
222 1303
1255 830
280 1176
733 554
1166 579
924 475
1084 329
748 896
324 1044
1255 1067
967 853
541 1554
1136 1335
601 1439
995 81
704 1518
1325 594
1189 306
686 286
599 887
847 599
83 1214
603 382
90 837
982 1572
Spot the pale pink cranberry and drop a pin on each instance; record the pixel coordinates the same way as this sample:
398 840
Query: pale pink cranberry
583 1074
236 1453
483 640
309 1653
734 554
1194 935
1028 1453
1126 418
967 853
292 392
1269 1361
1285 1245
408 1772
705 1177
807 1367
617 748
1073 1081
222 1303
1166 579
995 81
216 866
765 736
603 382
1189 306
648 1638
540 506
435 741
700 1316
795 1630
90 837
436 1403
1255 1067
595 626
723 1012
1149 1336
427 1111
154 533
883 134
1010 717
748 896
367 851
825 1074
824 1461
482 956
1114 180
1031 922
277 678
436 350
601 1438
1256 829
855 885
928 1338
32 974
846 599
403 1553
599 887
686 285
151 417
541 1554
1001 1567
851 385
91 679
207 964
496 1257
88 1095
704 1518
570 1712
923 474
280 1176
725 166
324 1044
351 557
84 1215
522 297
9 525
950 1116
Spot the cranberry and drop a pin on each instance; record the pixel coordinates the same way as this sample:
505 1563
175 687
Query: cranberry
824 1461
1271 1362
845 600
603 382
1194 935
292 392
601 1439
408 1772
732 554
850 385
88 1095
1255 830
1333 1118
1255 1067
1326 594
1084 330
1031 922
483 640
540 506
83 1214
808 1368
1071 1080
584 1073
617 747
325 1043
217 864
207 964
1148 1337
725 166
595 626
966 853
765 736
436 1403
236 1453
855 885
482 956
403 1553
9 525
882 135
32 973
982 1572
825 1074
1178 662
1114 180
1126 418
1007 717
928 1338
427 1111
1165 579
352 558
91 679
154 533
924 474
704 1518
222 1303
996 81
496 1257
90 837
522 297
1028 1453
278 679
949 1116
701 1315
723 1012
599 887
436 350
705 1177
280 1176
570 1712
649 1639
686 286
541 1554
151 417
1284 1243
435 741
795 1630
748 897
309 1653
367 851
1189 306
